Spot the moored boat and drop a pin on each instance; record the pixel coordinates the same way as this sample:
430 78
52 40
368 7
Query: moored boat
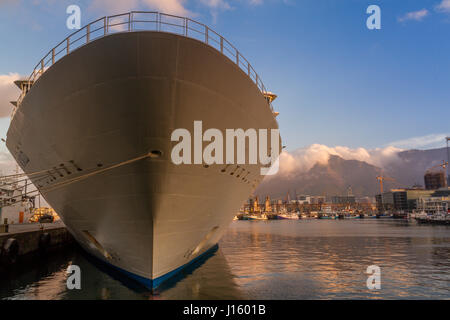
288 216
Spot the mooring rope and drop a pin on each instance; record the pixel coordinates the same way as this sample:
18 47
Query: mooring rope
76 179
90 174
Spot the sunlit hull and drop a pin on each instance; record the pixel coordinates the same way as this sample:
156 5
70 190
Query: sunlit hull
118 98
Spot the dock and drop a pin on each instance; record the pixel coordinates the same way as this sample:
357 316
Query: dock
28 239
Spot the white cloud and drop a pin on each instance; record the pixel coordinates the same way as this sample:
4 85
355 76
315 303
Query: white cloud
444 6
8 92
216 6
175 7
168 6
301 160
415 15
113 7
424 142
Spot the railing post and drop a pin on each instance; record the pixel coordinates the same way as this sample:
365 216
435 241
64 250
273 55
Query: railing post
221 44
206 34
129 21
53 56
88 33
248 68
68 45
185 27
105 25
42 66
159 21
237 57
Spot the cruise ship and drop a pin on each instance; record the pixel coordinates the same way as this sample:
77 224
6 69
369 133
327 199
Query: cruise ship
92 130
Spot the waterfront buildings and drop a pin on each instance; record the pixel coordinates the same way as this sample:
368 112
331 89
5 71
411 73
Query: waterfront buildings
348 199
407 199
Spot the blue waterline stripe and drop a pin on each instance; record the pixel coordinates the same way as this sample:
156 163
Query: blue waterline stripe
154 283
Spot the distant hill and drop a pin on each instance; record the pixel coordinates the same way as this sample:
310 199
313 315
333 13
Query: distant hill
338 174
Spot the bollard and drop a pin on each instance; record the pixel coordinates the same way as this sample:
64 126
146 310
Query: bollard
44 242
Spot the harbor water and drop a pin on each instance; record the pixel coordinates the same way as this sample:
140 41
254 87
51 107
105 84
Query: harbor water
283 259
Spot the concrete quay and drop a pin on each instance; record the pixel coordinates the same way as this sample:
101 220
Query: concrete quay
31 238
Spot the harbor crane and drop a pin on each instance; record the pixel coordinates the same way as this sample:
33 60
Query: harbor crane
448 153
444 165
381 179
447 139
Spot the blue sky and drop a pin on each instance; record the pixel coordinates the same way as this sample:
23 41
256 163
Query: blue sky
339 83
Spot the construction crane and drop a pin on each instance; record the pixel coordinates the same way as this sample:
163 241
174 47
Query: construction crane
447 139
381 179
448 153
444 165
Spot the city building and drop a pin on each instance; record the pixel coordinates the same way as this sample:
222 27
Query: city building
365 200
442 192
435 180
316 199
348 199
303 199
401 199
433 205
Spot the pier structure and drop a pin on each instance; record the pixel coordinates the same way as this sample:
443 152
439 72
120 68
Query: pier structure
21 240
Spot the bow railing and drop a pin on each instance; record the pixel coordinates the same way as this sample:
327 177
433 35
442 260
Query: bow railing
143 21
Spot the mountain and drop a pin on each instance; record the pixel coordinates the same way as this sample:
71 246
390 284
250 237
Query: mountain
338 174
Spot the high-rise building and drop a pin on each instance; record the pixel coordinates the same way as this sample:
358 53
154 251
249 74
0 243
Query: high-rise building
435 180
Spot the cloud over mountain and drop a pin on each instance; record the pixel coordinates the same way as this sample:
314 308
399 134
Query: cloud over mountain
322 170
302 160
8 92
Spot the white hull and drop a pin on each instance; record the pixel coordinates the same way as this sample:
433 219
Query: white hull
116 99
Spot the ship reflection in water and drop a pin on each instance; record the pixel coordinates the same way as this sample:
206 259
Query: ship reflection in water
284 259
